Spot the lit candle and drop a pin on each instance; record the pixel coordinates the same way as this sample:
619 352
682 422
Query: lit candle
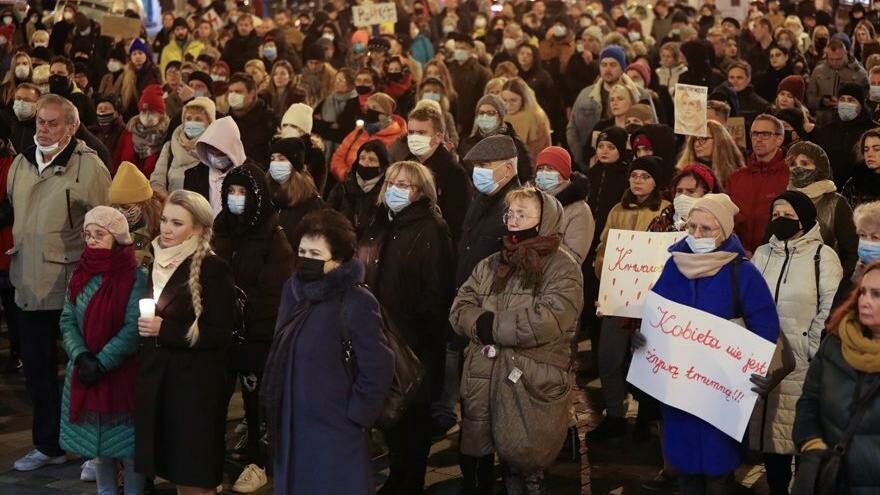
148 308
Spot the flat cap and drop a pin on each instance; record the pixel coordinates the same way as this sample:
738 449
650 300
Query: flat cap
492 149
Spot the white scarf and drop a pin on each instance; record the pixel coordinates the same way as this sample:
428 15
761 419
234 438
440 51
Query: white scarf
166 261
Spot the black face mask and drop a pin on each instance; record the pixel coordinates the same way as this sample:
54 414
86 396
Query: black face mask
309 269
821 43
363 90
784 228
58 85
395 76
106 118
368 173
371 117
521 235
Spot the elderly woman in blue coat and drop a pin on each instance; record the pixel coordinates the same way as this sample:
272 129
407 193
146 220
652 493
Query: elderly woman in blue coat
708 271
100 334
318 409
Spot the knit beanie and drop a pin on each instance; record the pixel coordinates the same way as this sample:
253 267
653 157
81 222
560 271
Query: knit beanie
642 68
651 164
816 155
299 115
111 220
641 111
721 207
293 149
699 170
383 101
205 78
556 158
595 32
847 42
614 135
802 205
139 45
794 85
615 52
129 186
854 90
152 99
496 102
205 104
316 52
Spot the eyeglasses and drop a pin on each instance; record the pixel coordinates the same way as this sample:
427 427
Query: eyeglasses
702 140
702 229
98 237
764 134
640 177
400 184
488 113
519 217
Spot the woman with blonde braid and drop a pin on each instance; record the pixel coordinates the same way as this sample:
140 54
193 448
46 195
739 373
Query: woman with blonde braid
718 151
181 391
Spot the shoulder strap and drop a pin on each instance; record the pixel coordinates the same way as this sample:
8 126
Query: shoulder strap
737 298
817 260
860 409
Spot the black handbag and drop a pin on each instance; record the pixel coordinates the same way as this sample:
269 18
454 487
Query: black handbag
409 373
819 470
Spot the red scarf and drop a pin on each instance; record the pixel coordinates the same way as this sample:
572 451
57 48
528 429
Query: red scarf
399 88
527 255
103 319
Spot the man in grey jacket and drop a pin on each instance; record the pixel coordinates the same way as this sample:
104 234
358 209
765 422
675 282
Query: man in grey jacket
837 69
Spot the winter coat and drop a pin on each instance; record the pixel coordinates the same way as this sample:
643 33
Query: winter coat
345 121
358 206
257 126
174 52
90 438
824 81
454 188
524 169
630 217
143 247
108 136
547 95
469 80
790 271
223 135
752 189
239 49
690 444
6 241
330 411
410 266
607 182
835 220
174 160
533 127
182 394
578 226
528 323
824 410
126 152
578 75
50 208
23 138
290 216
346 154
668 76
750 105
766 86
862 187
839 140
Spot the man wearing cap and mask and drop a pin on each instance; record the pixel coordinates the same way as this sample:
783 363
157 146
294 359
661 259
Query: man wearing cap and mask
469 78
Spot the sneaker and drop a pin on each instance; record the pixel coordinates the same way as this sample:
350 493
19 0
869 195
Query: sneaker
36 459
611 428
88 471
663 482
241 427
251 479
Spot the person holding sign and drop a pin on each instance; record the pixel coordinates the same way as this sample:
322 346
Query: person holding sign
708 271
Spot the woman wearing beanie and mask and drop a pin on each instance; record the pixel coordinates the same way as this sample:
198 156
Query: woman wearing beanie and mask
690 184
504 309
839 138
410 267
131 194
179 154
220 150
809 172
99 334
294 193
380 122
489 121
640 204
144 134
709 272
803 274
358 197
247 235
297 123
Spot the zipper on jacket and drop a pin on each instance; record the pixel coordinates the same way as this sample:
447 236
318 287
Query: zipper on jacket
781 273
69 215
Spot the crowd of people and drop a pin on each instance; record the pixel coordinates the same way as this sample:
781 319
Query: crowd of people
283 202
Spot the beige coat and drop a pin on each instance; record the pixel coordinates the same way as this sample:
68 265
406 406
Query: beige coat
49 212
539 322
624 219
168 177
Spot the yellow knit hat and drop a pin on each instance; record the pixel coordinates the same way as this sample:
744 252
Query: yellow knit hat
129 186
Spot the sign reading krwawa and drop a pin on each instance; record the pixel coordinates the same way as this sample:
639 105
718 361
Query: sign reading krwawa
699 363
633 262
370 14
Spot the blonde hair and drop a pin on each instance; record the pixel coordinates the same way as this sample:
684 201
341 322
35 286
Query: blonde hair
203 216
419 176
867 213
525 193
726 156
299 187
445 76
494 86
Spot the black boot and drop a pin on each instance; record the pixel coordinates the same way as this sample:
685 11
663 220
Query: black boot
611 428
469 481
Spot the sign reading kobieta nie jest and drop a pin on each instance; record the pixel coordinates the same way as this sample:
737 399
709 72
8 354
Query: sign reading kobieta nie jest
699 363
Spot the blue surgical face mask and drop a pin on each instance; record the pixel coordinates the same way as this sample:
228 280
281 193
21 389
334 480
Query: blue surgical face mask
547 180
487 123
235 204
200 93
484 180
193 129
432 95
847 111
270 52
279 170
869 251
701 245
396 198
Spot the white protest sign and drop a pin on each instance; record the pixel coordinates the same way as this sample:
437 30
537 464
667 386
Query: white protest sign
690 110
633 262
370 14
699 363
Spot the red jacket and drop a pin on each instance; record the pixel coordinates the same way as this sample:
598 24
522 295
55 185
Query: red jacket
125 153
6 232
752 189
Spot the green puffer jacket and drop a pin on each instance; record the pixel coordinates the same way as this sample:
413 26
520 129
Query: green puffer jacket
91 439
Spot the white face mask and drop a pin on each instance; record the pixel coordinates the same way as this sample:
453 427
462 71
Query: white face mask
114 66
702 245
23 109
221 162
236 100
875 92
52 148
419 145
279 170
683 204
22 71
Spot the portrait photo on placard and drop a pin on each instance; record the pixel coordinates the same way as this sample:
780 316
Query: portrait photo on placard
690 110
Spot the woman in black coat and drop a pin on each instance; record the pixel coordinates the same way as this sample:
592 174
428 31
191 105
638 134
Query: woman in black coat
181 394
294 192
357 197
248 237
546 92
408 254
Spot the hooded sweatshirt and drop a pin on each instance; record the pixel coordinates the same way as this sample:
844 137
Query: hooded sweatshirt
222 134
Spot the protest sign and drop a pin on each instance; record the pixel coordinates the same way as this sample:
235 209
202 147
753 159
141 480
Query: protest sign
633 262
370 14
736 126
120 26
690 110
699 363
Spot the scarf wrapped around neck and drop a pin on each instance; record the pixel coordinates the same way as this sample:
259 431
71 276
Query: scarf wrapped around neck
527 256
859 351
112 398
693 265
147 140
334 104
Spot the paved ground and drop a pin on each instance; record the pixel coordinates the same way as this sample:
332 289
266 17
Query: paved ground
616 469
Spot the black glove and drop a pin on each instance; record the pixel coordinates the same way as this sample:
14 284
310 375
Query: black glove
763 385
89 369
484 327
637 339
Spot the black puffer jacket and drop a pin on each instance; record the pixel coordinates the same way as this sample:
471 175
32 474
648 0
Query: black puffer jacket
240 49
257 127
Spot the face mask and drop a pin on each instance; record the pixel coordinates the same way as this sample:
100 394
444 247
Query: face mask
149 119
868 251
522 235
235 203
44 88
821 43
634 36
675 32
448 28
193 129
359 47
784 228
86 31
419 145
460 55
368 173
42 44
847 111
68 16
547 180
560 31
114 66
23 109
702 245
875 92
270 52
579 46
47 149
431 95
199 93
58 84
683 204
106 118
218 78
279 170
785 44
509 43
22 71
371 117
480 22
484 180
236 100
132 215
396 198
363 90
395 76
219 162
487 123
309 269
802 177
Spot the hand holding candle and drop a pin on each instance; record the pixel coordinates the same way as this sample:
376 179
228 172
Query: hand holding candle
148 324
